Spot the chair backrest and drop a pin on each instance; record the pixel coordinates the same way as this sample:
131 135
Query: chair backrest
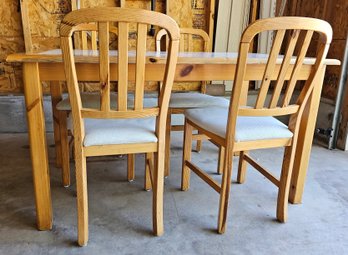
186 39
80 19
87 39
187 36
278 68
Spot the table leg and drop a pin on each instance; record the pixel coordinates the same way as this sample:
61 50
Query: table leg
38 145
305 140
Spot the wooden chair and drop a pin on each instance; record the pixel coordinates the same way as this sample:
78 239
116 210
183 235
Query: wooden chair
242 128
125 130
179 102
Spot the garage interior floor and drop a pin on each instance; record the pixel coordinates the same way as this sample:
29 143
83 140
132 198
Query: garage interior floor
120 211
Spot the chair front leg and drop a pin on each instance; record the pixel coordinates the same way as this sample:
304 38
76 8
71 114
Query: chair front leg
148 163
82 199
225 191
284 184
198 145
130 167
157 192
185 177
242 167
220 168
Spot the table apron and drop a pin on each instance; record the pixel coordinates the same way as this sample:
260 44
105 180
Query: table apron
155 72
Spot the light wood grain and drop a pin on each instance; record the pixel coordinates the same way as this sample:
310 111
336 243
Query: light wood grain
149 166
104 67
266 80
242 167
130 167
123 66
155 58
303 149
140 67
38 146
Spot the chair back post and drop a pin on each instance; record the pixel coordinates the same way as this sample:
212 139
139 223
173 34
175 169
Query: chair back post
186 35
189 32
280 69
100 18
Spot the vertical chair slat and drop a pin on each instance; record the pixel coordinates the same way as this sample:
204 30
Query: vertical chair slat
140 67
266 80
299 61
206 45
104 70
84 40
94 40
309 85
284 68
190 42
122 66
182 43
77 36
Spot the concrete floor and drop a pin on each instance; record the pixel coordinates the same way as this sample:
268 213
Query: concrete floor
120 212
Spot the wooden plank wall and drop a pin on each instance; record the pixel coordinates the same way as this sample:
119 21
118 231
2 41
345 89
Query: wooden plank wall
335 12
45 17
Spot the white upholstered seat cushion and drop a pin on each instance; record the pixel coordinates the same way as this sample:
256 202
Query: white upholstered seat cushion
214 119
119 131
195 100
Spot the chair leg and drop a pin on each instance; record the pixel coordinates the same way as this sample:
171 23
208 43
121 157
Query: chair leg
147 179
221 160
242 167
225 191
56 97
65 148
167 145
157 192
199 145
130 167
82 201
185 177
284 184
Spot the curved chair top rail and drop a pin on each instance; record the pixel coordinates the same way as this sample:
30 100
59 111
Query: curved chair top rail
116 14
288 23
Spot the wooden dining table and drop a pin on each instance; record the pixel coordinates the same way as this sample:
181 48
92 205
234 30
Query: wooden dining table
197 66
